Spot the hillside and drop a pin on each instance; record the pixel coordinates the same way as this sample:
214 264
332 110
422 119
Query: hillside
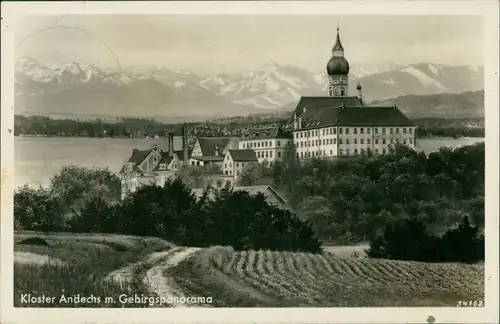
78 90
443 105
109 265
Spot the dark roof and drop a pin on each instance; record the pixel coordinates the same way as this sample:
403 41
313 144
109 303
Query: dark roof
208 144
208 158
338 44
355 116
337 65
166 158
252 190
314 103
265 132
383 116
180 154
136 158
243 155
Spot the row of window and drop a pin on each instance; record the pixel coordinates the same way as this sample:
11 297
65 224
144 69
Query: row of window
250 145
341 152
329 141
355 130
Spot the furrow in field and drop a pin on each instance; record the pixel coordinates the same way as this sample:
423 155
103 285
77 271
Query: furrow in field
275 266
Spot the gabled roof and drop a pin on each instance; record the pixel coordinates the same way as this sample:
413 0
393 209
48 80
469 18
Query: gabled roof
243 155
208 144
264 132
314 103
252 190
166 158
136 158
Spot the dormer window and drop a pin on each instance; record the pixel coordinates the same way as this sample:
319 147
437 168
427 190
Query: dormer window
128 168
163 166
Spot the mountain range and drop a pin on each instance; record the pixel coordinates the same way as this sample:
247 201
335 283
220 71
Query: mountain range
86 90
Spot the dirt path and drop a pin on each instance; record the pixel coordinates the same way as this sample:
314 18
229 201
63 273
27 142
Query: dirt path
155 279
162 285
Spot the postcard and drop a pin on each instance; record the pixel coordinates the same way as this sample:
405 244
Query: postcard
250 162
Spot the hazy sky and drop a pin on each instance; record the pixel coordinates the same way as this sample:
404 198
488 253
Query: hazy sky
228 43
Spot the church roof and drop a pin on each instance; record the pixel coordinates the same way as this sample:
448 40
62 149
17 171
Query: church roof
314 103
355 116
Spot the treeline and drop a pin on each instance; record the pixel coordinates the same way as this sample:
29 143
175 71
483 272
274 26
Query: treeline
355 200
172 212
235 126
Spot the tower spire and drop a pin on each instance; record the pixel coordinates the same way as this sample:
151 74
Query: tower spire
338 49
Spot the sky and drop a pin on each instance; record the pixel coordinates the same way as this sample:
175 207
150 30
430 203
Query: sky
209 44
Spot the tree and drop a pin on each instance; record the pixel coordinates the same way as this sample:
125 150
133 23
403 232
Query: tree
97 216
250 173
194 176
75 186
37 210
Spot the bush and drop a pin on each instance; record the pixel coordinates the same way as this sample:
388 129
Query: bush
409 240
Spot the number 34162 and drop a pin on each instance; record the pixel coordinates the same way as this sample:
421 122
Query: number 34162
470 303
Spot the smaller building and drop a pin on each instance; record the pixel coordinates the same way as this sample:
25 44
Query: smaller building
208 151
271 144
236 160
271 195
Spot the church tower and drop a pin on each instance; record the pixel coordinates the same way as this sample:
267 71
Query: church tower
338 70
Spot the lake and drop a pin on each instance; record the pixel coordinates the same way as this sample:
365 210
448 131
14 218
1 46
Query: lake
38 158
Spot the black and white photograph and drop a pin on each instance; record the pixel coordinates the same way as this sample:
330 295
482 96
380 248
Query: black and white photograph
257 160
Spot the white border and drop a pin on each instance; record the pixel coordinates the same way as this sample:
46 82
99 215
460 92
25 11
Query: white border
488 314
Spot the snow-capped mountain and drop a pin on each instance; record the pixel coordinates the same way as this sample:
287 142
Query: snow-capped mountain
159 91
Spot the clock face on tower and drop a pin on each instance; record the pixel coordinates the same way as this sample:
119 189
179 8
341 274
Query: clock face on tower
337 53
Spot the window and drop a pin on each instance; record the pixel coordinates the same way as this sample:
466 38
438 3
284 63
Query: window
397 140
237 172
267 154
397 130
383 130
383 141
347 152
376 141
258 154
355 130
368 141
361 130
301 135
347 141
270 154
368 131
317 142
226 172
347 130
404 141
341 141
361 141
355 151
316 133
376 151
331 152
278 143
219 184
334 131
334 141
230 165
410 140
384 151
376 130
404 130
243 145
392 140
323 132
341 152
301 144
301 155
390 130
237 165
324 142
308 133
279 154
340 130
355 141
410 130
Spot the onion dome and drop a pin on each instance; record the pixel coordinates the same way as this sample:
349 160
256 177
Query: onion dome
337 65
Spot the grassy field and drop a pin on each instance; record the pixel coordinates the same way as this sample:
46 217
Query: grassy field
273 279
75 264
